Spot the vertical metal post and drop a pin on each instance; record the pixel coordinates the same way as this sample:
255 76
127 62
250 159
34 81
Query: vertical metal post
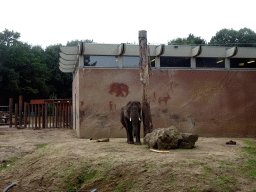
10 111
16 115
144 78
20 110
25 114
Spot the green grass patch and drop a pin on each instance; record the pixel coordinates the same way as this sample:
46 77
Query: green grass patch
75 181
41 145
207 168
9 163
197 163
194 190
250 143
250 150
124 185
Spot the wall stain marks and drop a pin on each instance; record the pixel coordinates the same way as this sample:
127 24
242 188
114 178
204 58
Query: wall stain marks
171 85
120 89
154 96
164 99
112 106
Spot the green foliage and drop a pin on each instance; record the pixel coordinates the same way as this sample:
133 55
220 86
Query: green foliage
245 37
76 41
190 40
32 71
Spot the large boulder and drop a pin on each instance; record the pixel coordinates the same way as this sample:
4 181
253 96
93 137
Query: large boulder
163 138
189 140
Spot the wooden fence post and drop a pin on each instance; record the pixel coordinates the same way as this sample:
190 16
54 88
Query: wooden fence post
25 114
145 66
20 110
10 111
16 115
35 115
46 115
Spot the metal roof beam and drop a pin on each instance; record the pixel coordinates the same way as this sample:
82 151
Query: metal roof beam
68 57
66 70
121 49
67 62
196 51
231 52
66 66
74 50
160 50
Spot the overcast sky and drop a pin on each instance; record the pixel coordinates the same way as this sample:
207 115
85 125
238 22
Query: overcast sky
51 22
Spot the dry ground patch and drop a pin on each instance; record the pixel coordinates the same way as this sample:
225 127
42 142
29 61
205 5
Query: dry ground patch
57 159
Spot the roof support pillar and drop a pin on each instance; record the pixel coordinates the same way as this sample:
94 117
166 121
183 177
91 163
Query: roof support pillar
193 62
120 61
157 62
227 63
81 61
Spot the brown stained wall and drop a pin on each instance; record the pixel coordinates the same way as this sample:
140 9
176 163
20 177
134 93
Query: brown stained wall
209 103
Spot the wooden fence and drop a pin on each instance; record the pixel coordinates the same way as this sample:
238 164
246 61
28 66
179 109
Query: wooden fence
46 113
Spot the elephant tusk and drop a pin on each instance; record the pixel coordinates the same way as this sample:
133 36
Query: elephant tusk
130 119
139 119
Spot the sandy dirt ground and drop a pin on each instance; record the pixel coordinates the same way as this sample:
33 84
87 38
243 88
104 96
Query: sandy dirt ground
57 159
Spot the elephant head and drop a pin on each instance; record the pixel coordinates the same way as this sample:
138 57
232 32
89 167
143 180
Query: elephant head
131 119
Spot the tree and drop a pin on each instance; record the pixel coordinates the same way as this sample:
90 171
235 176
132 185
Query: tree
9 38
246 38
76 41
190 40
229 37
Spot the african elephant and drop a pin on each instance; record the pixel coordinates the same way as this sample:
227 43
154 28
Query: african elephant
131 119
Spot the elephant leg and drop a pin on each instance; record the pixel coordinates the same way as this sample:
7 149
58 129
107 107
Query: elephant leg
128 131
138 136
130 135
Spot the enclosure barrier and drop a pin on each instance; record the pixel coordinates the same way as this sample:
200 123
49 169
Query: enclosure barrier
44 113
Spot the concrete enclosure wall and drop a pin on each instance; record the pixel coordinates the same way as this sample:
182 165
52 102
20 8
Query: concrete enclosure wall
209 103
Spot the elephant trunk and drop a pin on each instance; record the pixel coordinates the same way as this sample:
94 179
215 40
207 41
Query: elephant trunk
135 120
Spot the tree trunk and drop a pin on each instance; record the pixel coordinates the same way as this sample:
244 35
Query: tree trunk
145 66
